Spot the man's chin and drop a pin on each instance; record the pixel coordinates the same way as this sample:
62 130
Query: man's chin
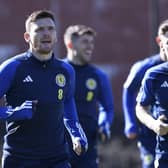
44 52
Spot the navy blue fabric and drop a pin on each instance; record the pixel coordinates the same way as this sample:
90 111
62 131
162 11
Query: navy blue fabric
51 83
146 137
14 162
161 163
92 88
154 90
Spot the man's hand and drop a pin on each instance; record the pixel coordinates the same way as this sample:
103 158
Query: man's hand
131 135
79 146
78 137
34 104
160 127
104 132
130 131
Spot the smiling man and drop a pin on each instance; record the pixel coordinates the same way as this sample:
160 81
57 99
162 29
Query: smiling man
92 89
153 94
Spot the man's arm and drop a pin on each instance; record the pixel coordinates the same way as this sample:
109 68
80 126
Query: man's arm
104 125
146 98
7 74
130 89
74 128
158 126
22 112
71 120
128 103
106 108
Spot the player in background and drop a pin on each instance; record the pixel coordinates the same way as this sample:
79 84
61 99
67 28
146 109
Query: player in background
131 87
153 93
38 141
93 89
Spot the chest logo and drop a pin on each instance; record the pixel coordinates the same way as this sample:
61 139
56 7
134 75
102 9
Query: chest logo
60 80
27 79
91 83
164 84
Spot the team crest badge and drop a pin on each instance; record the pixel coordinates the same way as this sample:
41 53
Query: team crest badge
91 83
60 80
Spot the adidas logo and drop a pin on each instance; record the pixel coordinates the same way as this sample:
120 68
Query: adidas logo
28 79
164 84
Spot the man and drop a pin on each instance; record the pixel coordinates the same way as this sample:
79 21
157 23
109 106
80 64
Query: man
153 93
37 76
92 90
131 87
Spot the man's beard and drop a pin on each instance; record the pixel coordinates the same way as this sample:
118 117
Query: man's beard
43 51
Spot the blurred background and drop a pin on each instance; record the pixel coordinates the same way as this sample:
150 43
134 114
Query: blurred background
126 33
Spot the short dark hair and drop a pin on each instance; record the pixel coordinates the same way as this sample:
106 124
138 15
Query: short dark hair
77 30
163 28
33 17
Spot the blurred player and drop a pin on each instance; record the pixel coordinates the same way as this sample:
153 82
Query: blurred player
93 89
153 93
131 87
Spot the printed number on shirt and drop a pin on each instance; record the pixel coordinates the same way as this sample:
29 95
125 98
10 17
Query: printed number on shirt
89 96
60 94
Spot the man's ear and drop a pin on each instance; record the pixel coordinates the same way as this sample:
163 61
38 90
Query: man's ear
27 37
158 40
70 45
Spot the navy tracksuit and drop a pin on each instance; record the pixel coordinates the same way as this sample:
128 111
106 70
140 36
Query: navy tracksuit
40 140
146 137
92 88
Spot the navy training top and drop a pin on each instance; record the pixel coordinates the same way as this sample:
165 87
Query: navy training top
130 90
51 83
92 88
154 92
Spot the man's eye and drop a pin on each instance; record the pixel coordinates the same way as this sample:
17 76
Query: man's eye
51 28
39 29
